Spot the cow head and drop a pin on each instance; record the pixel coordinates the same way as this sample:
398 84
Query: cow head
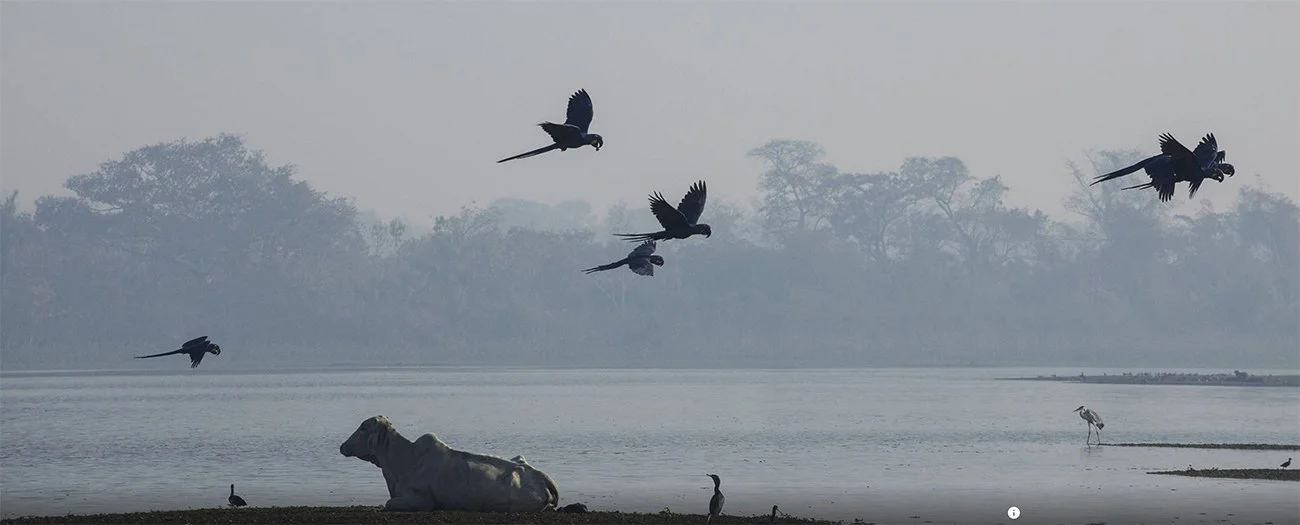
369 440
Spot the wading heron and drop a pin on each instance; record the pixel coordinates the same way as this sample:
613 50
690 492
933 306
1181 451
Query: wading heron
1094 420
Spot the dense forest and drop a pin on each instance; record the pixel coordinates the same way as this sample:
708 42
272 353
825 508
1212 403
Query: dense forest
925 265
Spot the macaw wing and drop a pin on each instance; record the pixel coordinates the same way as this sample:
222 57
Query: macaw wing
201 342
641 267
1164 188
1196 185
1207 150
668 216
642 251
565 134
580 110
1170 146
692 204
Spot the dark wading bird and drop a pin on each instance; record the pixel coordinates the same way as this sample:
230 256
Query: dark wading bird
573 132
1287 464
639 260
235 501
1175 164
194 347
715 503
1094 420
680 222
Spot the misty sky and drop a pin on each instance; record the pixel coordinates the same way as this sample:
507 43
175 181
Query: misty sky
407 105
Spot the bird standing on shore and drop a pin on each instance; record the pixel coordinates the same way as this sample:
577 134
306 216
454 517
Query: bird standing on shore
1093 419
715 503
1287 464
573 132
235 501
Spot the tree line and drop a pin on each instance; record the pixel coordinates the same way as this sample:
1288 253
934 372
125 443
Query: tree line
925 265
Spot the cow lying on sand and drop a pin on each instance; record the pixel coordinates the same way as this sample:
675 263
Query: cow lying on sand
429 475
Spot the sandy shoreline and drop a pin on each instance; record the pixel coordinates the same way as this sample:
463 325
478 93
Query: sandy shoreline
375 514
1230 446
304 515
1275 474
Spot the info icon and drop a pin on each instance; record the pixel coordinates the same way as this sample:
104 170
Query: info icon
1013 513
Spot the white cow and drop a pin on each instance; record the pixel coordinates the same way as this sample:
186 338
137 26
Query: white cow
429 475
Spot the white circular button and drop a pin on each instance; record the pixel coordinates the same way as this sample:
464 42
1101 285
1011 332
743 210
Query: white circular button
1013 512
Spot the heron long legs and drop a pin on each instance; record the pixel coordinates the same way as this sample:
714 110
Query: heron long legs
1093 419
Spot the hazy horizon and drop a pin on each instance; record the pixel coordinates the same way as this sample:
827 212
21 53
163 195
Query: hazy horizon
916 193
407 105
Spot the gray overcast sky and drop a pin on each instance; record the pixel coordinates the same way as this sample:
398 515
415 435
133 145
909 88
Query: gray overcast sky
407 105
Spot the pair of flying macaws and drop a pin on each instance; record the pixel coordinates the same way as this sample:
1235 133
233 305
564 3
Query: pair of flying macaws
1175 164
678 223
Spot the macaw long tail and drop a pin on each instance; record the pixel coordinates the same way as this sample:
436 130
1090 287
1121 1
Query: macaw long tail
604 267
1122 172
537 151
159 355
639 237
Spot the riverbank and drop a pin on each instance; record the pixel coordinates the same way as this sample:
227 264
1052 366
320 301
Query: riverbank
1236 378
1231 446
362 514
1275 474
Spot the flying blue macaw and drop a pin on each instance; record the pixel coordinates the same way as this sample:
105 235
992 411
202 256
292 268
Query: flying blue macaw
573 132
195 348
1175 164
639 260
678 223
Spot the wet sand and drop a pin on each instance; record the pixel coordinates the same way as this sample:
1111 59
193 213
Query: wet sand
362 514
1232 446
1236 473
1166 378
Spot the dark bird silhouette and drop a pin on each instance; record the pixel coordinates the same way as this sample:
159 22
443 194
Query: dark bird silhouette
1175 164
639 260
194 347
680 222
715 503
235 501
773 517
1287 464
573 132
